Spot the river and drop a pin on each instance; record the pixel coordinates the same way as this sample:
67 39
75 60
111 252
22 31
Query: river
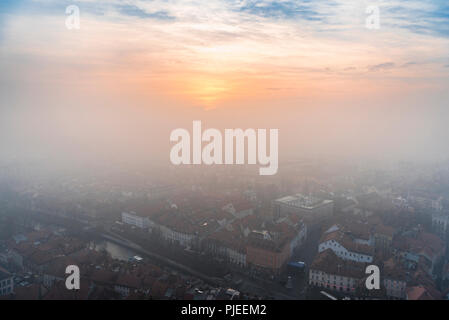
116 251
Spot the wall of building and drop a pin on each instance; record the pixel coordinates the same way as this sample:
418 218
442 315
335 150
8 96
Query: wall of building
268 259
6 286
332 281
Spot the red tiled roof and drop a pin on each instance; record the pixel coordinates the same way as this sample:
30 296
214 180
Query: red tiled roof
418 293
347 242
393 270
242 206
176 221
103 276
328 262
60 292
384 230
222 214
41 257
129 281
425 243
230 239
159 289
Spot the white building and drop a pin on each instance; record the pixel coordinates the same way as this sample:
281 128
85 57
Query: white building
237 257
346 248
304 206
180 238
329 272
227 245
230 254
133 219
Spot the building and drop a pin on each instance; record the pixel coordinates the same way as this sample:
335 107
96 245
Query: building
440 224
419 249
176 228
359 232
295 226
126 284
345 248
228 245
178 234
367 204
266 254
425 200
55 272
133 219
394 279
299 238
6 282
307 207
239 209
333 273
421 292
383 238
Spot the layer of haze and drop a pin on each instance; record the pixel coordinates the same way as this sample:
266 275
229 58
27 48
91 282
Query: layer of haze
113 91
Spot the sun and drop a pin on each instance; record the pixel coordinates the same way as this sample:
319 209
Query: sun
209 90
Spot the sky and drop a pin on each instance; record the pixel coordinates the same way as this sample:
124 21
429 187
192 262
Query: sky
136 69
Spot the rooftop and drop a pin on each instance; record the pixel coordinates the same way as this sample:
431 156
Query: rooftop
346 241
328 262
302 201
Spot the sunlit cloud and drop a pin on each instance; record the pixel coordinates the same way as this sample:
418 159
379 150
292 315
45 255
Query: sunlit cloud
218 49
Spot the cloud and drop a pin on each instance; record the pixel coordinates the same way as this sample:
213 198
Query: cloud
280 43
134 11
427 17
382 66
282 10
340 17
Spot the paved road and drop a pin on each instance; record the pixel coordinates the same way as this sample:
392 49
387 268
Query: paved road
306 253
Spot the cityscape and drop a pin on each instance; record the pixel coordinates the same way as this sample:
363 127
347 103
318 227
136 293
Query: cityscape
308 233
224 158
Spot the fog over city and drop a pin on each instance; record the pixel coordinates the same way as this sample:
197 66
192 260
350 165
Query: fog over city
69 127
354 201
